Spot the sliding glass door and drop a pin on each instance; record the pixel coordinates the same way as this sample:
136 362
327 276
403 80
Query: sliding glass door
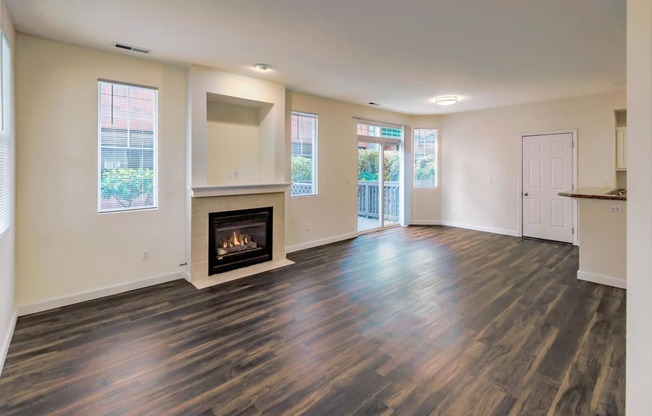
391 184
369 190
379 177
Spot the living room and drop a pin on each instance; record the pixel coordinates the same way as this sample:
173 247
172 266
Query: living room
65 252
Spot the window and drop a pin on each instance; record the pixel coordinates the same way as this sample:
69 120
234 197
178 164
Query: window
6 172
128 141
425 158
304 154
379 131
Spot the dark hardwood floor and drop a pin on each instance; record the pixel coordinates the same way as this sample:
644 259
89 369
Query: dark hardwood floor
417 321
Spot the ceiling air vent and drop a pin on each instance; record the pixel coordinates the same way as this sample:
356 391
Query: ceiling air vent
130 48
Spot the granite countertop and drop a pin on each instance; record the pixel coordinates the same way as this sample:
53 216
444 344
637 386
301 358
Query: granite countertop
612 194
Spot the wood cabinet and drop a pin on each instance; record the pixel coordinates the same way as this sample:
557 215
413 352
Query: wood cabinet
621 148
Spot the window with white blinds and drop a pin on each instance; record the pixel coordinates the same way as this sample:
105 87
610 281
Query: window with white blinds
6 172
425 158
128 142
303 168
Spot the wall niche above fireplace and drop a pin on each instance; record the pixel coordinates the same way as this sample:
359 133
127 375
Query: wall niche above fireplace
240 144
236 133
239 238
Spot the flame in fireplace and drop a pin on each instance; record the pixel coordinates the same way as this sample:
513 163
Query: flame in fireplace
237 242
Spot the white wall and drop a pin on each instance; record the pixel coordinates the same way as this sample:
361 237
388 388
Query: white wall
426 203
639 205
604 242
7 240
233 143
332 214
64 248
478 144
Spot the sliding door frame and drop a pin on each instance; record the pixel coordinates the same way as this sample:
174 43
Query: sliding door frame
382 141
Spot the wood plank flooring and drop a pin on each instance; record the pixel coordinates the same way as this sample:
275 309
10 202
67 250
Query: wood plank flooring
416 321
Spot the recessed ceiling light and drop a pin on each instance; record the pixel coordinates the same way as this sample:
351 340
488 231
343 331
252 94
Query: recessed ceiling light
446 100
263 67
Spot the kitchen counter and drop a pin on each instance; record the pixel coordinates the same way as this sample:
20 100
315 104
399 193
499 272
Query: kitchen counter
609 194
602 235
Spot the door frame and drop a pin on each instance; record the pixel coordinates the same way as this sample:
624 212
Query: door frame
573 134
382 141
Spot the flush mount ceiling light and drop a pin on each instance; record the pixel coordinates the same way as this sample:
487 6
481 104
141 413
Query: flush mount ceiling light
263 67
446 100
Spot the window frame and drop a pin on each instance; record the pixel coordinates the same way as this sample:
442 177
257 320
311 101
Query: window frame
418 185
314 151
155 145
7 179
379 127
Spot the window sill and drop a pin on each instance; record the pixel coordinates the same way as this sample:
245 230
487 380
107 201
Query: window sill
118 211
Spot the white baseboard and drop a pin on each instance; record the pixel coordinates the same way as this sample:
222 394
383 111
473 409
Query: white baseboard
601 279
482 228
425 222
97 293
317 243
6 340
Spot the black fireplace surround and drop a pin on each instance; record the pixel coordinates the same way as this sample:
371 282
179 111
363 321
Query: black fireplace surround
239 238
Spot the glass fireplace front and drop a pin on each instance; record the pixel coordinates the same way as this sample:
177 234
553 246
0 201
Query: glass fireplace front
239 238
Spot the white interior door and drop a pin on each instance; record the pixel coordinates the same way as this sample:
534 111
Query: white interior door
548 170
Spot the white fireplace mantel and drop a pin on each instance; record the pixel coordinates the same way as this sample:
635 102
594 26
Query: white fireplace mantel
238 189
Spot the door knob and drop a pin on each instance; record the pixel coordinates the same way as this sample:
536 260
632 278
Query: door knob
525 194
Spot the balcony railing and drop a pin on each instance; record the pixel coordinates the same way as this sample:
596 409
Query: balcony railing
301 188
368 200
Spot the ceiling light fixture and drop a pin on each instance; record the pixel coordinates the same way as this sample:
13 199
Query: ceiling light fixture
446 100
263 67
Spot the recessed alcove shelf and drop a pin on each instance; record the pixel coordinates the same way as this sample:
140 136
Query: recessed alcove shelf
239 140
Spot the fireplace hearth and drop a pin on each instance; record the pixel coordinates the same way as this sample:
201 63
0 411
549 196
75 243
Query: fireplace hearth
239 238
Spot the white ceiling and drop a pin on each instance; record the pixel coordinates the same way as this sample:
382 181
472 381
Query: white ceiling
400 54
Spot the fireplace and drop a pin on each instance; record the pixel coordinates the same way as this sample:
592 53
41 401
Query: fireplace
239 238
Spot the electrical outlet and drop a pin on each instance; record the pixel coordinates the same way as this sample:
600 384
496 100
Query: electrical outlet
615 209
455 211
489 179
307 226
145 255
